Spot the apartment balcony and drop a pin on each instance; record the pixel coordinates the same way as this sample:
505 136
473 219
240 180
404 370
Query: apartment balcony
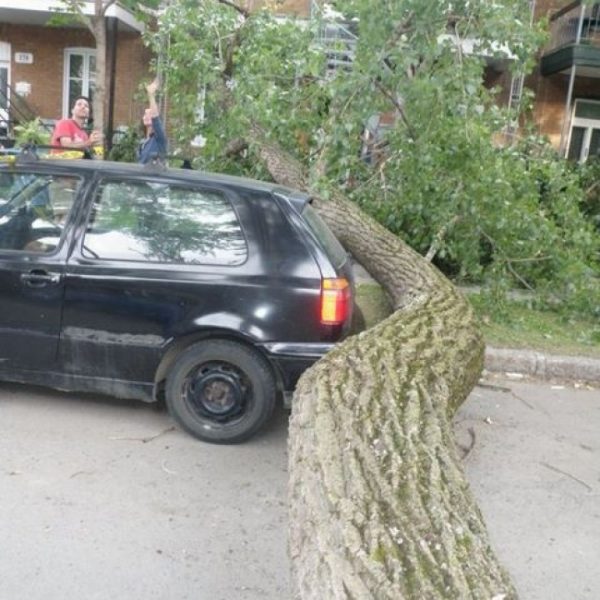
574 41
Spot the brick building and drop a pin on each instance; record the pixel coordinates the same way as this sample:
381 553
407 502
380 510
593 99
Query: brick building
566 81
43 67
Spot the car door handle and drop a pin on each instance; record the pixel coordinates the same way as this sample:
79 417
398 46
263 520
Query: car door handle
39 278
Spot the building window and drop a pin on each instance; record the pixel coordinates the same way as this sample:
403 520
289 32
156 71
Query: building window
79 76
584 137
4 88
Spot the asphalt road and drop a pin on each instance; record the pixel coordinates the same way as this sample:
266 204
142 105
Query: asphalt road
106 500
535 470
101 500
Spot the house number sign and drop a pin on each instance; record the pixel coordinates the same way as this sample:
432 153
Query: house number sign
25 58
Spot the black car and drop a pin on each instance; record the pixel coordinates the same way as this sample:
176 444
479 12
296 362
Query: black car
143 282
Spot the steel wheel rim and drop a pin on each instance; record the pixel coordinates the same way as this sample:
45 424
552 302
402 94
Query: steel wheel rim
217 391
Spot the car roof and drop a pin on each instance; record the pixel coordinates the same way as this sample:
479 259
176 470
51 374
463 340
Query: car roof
124 168
296 197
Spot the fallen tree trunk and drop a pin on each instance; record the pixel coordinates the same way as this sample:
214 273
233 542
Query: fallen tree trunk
379 506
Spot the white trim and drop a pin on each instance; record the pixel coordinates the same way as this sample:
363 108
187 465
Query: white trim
588 124
584 120
5 51
50 6
125 17
5 61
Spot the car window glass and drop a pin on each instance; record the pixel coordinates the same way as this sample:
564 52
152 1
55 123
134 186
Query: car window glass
33 210
158 222
330 244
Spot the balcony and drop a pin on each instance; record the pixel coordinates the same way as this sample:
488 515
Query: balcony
574 41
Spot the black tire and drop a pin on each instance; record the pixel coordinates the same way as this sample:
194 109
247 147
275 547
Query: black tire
220 391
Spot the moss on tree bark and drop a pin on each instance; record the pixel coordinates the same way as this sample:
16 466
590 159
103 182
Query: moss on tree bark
379 505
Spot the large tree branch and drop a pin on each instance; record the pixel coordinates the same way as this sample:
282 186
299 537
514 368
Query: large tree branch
379 505
240 9
283 168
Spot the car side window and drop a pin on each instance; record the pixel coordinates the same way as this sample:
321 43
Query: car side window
155 222
34 209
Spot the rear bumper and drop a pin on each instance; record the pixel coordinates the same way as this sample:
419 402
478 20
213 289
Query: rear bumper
292 359
306 350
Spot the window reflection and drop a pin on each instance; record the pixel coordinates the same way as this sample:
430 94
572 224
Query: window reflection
163 223
33 210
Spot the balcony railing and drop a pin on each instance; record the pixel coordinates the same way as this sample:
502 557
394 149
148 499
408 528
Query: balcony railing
13 111
575 24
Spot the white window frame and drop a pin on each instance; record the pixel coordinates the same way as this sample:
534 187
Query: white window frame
85 87
587 124
5 62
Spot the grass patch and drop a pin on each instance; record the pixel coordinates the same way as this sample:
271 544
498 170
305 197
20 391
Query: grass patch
518 325
514 325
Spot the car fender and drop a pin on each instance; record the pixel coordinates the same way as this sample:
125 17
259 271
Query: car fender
220 325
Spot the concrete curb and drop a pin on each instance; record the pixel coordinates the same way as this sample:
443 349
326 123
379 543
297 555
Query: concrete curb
538 364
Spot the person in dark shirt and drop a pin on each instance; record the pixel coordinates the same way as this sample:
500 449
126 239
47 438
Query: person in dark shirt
155 140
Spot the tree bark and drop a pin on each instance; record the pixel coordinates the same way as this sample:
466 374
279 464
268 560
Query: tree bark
99 29
379 506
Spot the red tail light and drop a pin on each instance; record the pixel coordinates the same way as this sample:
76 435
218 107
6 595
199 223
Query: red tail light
336 301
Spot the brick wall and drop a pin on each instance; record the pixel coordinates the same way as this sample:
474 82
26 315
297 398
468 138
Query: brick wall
548 114
548 7
133 61
47 45
550 92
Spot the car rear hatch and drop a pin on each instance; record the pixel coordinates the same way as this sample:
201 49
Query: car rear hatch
337 282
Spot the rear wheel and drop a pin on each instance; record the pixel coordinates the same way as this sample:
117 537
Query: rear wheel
220 391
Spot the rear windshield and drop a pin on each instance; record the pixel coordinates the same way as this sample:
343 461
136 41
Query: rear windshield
334 250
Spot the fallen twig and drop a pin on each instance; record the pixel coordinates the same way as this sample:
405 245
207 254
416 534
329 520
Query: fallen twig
557 470
495 388
507 390
166 469
77 473
467 449
144 440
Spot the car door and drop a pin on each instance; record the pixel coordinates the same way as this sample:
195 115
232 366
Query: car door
154 260
34 210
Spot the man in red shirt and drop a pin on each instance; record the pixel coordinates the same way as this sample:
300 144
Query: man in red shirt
69 133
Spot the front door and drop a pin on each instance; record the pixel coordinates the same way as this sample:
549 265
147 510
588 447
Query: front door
33 210
156 261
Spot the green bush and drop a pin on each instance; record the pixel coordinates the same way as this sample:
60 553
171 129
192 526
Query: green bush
125 148
32 132
589 177
512 217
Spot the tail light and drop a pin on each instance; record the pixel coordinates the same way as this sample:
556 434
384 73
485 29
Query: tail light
336 301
